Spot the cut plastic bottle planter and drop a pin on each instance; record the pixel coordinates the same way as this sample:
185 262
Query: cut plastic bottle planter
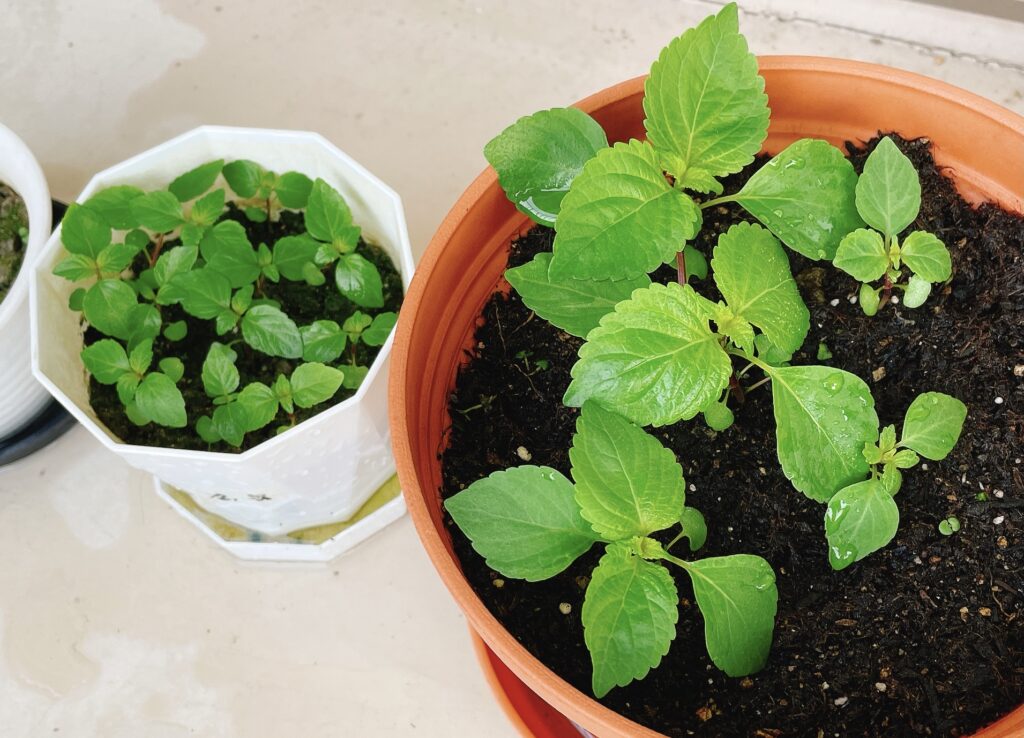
323 470
22 397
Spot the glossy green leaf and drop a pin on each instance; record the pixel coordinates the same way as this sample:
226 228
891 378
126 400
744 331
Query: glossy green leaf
627 483
76 267
891 479
574 305
704 101
83 231
926 256
141 357
219 375
752 271
862 255
354 376
539 156
206 210
355 324
292 254
359 281
313 383
917 292
205 293
260 403
738 598
173 367
524 521
158 211
869 299
823 418
161 401
695 529
860 519
227 250
243 176
176 331
696 263
322 341
106 360
115 258
621 218
380 329
653 359
230 422
107 306
805 196
933 424
195 182
293 189
629 618
271 332
327 214
888 191
174 262
113 205
718 416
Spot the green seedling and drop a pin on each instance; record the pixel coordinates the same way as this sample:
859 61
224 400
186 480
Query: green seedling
949 526
888 199
531 522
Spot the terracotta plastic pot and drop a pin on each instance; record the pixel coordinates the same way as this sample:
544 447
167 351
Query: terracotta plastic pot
981 144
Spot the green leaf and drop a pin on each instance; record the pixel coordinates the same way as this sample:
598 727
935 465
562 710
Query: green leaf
230 422
312 274
738 598
271 332
283 392
141 357
160 400
138 239
76 267
205 293
113 205
207 209
195 182
917 292
359 281
327 214
354 376
574 305
292 253
823 418
905 459
176 331
705 104
627 483
243 176
174 262
653 359
206 431
173 367
860 519
621 218
227 250
76 298
932 424
769 353
355 324
805 196
322 341
539 156
379 329
254 214
242 299
220 376
718 416
629 618
891 479
260 403
524 521
107 306
293 189
767 295
862 255
696 263
144 322
106 360
888 191
83 231
695 530
926 256
886 440
158 211
127 386
115 258
313 383
869 299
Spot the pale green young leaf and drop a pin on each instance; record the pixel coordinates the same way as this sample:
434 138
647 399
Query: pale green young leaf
629 618
127 385
106 360
173 367
524 521
158 211
323 341
380 329
283 392
313 383
292 254
83 231
926 256
888 191
176 331
767 295
738 598
653 359
805 196
312 275
220 376
932 425
354 376
107 306
242 299
205 293
539 156
293 189
705 104
327 214
860 519
695 529
113 205
227 250
359 281
76 267
769 353
243 177
174 262
917 292
355 324
886 440
160 400
206 210
115 258
718 416
191 234
869 299
230 422
823 418
696 263
195 182
206 431
574 305
141 357
621 218
627 483
260 403
735 328
144 322
270 331
905 459
226 320
862 255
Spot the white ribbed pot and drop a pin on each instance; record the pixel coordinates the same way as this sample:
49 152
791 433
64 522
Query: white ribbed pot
22 396
320 471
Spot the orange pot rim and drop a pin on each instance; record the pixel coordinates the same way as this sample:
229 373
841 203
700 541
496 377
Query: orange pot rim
559 693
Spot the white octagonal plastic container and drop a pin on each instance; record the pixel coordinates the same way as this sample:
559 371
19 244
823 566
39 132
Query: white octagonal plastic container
322 470
22 396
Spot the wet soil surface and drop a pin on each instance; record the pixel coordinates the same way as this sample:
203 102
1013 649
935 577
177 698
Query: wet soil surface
13 237
925 637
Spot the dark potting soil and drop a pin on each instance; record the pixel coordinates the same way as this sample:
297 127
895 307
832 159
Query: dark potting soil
925 637
13 222
302 303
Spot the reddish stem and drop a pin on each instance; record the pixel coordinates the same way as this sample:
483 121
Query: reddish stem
156 250
737 389
886 292
681 268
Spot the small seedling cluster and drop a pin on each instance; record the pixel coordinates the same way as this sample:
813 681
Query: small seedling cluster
139 254
655 354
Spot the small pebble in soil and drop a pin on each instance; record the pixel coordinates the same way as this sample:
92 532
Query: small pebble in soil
564 607
881 686
895 300
999 400
964 612
499 583
985 612
1002 542
523 453
998 493
840 701
1018 371
834 302
852 299
878 374
998 520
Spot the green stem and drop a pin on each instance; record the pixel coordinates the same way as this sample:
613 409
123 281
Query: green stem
666 556
717 201
676 540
